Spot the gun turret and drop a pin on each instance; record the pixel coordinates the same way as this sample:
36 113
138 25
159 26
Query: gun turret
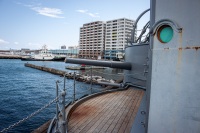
112 64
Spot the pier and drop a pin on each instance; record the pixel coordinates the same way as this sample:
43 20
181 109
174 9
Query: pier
78 77
4 56
47 69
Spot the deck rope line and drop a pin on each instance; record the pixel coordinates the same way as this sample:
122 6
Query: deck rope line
30 116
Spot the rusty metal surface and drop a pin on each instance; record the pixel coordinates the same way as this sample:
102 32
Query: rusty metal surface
138 56
175 82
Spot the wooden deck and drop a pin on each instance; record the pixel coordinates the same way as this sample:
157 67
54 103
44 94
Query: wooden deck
111 112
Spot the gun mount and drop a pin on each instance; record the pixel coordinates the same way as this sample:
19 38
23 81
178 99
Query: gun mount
135 64
112 64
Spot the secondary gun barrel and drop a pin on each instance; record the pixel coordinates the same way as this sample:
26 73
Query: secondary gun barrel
112 64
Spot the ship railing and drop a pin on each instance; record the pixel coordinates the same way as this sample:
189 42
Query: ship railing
77 91
70 94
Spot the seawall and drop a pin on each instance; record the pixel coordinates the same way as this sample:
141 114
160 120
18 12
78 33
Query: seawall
3 56
46 69
81 78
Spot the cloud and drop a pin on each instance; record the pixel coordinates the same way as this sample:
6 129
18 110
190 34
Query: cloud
49 12
45 11
3 41
94 15
82 11
16 43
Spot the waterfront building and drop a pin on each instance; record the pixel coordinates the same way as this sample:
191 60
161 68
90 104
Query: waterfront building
18 52
92 40
72 51
63 47
117 33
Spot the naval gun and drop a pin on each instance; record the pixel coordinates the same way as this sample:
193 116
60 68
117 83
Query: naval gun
112 64
135 68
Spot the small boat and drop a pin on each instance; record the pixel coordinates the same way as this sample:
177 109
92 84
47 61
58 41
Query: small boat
44 55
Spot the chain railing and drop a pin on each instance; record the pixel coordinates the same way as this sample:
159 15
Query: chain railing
92 83
59 110
78 91
60 100
30 116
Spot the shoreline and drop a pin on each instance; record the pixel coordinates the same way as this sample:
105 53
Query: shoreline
2 56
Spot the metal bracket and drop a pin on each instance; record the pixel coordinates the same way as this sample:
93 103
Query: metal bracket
162 22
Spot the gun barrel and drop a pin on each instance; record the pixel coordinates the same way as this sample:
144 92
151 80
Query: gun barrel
112 64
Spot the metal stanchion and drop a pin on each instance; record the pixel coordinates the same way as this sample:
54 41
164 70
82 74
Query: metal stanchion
91 79
57 105
64 82
63 110
74 86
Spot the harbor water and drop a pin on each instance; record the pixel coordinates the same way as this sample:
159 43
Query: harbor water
24 90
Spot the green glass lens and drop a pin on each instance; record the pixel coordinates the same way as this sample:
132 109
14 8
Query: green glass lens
166 34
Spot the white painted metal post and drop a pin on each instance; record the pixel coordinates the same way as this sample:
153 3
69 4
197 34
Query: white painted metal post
57 105
63 110
91 79
74 86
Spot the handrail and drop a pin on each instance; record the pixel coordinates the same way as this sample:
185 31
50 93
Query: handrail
135 25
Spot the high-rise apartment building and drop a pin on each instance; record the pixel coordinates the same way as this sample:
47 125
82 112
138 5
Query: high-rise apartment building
117 33
92 40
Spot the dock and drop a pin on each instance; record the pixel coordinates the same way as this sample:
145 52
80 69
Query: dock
46 69
111 112
4 56
78 77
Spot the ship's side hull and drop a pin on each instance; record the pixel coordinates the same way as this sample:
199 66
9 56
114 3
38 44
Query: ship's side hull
175 84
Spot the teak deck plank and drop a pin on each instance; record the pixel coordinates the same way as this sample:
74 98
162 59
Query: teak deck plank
123 112
111 112
107 117
78 118
128 129
128 115
95 117
111 120
98 119
93 113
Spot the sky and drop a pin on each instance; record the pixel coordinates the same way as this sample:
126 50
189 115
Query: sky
33 23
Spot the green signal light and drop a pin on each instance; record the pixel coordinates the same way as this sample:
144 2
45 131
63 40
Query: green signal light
165 34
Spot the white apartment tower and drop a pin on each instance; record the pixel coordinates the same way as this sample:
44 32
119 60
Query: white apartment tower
117 33
92 40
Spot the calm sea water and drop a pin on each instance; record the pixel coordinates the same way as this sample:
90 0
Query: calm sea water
24 90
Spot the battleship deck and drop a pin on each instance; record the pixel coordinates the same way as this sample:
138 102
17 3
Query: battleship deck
111 112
